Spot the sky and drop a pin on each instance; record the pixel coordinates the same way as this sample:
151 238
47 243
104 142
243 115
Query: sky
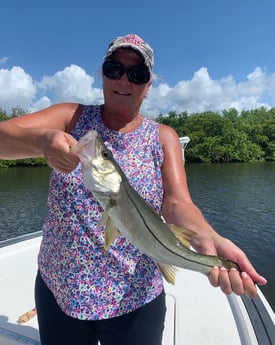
209 54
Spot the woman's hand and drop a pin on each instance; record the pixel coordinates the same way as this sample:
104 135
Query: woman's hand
232 281
56 145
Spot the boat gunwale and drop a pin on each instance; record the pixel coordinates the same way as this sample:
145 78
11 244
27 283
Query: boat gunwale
21 238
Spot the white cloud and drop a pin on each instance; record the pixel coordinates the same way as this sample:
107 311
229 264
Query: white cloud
271 86
41 103
157 99
16 89
200 93
72 84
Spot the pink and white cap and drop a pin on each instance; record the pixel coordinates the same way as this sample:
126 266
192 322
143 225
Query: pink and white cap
136 43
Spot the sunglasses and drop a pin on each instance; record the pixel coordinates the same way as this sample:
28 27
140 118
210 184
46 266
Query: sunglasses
136 74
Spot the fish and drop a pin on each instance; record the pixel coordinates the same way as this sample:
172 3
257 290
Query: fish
127 214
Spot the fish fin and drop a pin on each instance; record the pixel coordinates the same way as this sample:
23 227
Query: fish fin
182 234
104 218
106 213
111 233
168 272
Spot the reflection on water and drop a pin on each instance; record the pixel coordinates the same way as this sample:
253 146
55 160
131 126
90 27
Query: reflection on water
237 199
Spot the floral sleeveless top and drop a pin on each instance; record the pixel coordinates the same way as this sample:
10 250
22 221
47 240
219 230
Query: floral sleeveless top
88 282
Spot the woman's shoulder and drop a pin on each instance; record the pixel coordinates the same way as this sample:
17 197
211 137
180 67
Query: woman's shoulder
75 111
65 115
61 108
167 134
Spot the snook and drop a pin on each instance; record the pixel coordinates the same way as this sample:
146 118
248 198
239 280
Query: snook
126 213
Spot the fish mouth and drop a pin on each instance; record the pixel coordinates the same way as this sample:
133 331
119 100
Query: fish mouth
86 148
92 152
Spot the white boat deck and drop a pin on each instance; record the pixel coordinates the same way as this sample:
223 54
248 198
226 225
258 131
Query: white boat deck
197 313
17 273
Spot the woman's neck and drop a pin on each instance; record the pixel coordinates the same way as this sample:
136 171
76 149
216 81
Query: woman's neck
120 122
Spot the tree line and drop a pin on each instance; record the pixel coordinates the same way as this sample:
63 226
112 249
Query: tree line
230 136
16 111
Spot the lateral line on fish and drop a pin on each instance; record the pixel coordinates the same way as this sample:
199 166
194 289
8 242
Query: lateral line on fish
125 182
127 189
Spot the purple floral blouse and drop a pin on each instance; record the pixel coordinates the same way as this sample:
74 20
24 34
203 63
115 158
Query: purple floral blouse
88 282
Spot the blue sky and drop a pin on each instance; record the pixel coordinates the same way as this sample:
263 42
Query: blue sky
209 54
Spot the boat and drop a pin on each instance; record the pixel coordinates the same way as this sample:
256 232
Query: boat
196 314
184 141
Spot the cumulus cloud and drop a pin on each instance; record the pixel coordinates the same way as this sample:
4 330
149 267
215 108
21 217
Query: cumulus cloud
200 93
72 84
16 89
41 103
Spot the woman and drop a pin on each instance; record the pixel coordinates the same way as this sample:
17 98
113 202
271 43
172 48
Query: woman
84 293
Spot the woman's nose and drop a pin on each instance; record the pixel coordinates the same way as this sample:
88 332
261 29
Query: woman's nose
124 77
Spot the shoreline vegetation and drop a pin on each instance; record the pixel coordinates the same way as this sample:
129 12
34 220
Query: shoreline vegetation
226 137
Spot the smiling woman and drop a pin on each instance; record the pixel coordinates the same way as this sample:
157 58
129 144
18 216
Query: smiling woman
123 97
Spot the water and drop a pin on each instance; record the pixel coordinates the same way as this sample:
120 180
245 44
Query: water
23 198
237 199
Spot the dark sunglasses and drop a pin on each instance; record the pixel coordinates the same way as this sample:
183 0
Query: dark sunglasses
136 74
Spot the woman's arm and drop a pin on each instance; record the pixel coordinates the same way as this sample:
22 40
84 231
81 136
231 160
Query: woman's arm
43 133
179 209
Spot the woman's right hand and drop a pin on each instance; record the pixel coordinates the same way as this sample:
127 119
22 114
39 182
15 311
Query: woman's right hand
56 146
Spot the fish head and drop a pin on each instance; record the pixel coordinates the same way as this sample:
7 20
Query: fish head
99 171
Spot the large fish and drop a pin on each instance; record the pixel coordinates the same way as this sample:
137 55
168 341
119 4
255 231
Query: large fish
126 213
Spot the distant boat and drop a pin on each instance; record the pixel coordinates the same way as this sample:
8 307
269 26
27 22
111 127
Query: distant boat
197 313
184 142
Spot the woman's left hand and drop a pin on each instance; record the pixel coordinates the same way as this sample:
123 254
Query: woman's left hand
232 281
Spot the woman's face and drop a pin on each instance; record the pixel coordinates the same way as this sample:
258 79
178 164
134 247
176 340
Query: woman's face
121 95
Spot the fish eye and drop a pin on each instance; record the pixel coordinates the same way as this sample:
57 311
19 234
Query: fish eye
105 154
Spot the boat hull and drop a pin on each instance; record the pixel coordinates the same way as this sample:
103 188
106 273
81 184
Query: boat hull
196 312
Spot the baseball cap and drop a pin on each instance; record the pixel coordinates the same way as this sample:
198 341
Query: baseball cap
136 43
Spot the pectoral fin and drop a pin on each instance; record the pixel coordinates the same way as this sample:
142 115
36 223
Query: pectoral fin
168 272
111 233
105 214
182 234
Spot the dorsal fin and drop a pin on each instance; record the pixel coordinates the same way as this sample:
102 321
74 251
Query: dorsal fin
183 235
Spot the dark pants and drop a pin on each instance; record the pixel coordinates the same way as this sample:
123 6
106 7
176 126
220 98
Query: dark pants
143 326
